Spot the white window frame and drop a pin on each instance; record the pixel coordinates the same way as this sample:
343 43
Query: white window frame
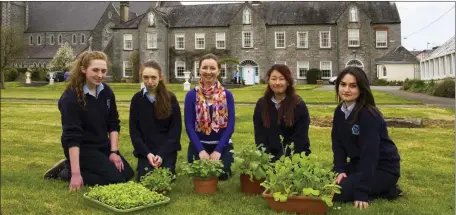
31 40
176 42
151 40
196 69
175 68
330 69
353 37
298 39
151 19
52 39
384 40
220 37
60 39
38 40
321 39
200 36
302 65
353 14
74 39
243 39
280 62
125 65
83 39
276 39
223 66
128 41
246 16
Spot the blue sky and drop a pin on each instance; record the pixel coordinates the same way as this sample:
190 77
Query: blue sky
415 16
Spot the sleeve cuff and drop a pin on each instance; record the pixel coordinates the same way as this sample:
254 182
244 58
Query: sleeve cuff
73 144
361 196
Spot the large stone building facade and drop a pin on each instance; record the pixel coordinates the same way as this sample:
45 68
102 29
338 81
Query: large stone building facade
303 35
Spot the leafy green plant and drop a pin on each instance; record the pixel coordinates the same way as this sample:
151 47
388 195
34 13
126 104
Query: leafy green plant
203 169
252 161
313 75
445 88
158 180
124 195
301 175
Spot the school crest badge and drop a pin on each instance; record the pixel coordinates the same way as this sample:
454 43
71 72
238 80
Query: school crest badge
108 103
355 129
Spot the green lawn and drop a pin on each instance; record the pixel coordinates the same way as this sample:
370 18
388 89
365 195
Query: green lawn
125 91
30 136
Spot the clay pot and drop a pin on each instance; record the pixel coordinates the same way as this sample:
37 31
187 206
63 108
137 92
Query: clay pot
297 204
251 188
205 185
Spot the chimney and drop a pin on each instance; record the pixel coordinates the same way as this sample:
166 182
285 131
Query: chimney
124 11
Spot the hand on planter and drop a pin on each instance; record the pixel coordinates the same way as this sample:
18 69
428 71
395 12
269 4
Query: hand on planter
157 161
76 182
340 177
204 155
215 155
361 205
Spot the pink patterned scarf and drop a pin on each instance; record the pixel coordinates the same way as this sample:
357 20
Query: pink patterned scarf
217 94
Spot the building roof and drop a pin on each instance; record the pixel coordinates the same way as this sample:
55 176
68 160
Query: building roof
399 55
446 48
130 24
48 52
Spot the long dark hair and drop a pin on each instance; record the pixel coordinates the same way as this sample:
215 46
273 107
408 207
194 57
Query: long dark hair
286 110
365 98
163 106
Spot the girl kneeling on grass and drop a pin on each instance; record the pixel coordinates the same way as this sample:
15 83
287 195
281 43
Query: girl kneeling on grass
209 117
360 133
89 114
280 112
155 122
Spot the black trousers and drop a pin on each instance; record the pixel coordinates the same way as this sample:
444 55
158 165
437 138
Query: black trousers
96 168
383 185
226 157
169 161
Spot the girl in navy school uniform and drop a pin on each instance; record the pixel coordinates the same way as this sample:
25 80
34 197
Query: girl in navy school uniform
359 132
209 117
155 122
281 112
90 123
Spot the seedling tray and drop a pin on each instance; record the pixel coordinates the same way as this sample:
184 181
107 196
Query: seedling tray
102 205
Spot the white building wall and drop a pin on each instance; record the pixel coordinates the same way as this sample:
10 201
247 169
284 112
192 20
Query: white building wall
396 72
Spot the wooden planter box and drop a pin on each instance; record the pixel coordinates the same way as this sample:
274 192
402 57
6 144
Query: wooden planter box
297 204
251 188
205 186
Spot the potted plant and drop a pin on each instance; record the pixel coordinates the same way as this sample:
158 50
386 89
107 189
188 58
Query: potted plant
158 180
252 164
300 184
205 174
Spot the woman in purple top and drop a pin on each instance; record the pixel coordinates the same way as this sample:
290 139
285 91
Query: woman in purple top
209 117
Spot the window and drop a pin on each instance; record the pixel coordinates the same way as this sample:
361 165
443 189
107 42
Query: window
128 42
279 40
302 39
220 40
325 41
380 39
38 40
179 41
280 62
353 14
197 72
302 68
384 71
353 37
326 71
151 40
180 69
151 19
31 40
60 41
223 71
246 18
51 40
199 41
83 38
127 69
247 39
74 39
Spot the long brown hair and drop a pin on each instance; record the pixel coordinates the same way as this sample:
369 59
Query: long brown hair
365 98
78 78
163 106
286 110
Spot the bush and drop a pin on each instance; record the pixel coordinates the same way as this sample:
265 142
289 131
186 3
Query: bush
11 74
38 74
313 75
380 82
116 73
445 88
418 86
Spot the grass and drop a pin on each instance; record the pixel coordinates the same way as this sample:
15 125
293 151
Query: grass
125 91
30 136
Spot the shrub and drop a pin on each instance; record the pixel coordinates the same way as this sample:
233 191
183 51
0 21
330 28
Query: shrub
38 74
11 74
380 82
418 86
313 75
445 88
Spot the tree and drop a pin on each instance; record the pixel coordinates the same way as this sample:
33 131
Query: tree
11 47
63 59
135 61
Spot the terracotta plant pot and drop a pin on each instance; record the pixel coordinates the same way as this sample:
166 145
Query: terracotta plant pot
319 82
297 204
205 185
250 188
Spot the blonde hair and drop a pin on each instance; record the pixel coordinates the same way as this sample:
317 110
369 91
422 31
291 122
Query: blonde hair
78 78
